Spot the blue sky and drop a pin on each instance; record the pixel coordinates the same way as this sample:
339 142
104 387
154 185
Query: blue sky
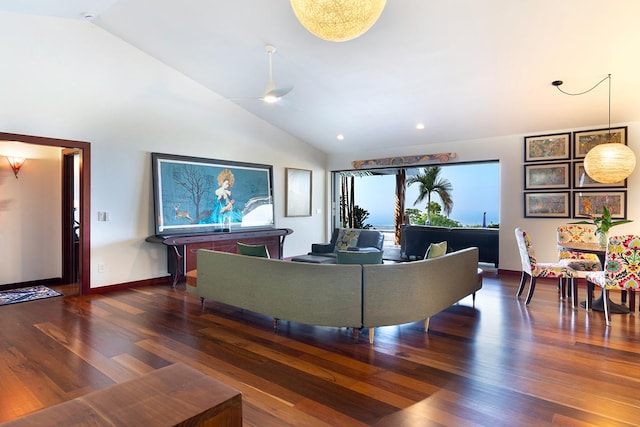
475 190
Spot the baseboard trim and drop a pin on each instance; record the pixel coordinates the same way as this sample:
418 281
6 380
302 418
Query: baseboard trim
40 282
137 284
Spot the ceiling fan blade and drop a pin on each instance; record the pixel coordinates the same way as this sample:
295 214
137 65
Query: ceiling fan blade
279 92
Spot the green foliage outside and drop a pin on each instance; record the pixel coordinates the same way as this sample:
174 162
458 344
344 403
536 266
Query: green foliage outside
429 181
359 217
417 217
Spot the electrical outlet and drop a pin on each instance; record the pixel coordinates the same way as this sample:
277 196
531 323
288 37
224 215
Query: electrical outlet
100 267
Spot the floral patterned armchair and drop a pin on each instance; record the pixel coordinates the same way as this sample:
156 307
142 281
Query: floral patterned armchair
621 271
579 261
533 269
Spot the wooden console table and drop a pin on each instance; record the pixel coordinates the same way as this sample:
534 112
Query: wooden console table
181 250
176 395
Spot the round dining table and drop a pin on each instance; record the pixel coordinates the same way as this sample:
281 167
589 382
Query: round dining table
600 252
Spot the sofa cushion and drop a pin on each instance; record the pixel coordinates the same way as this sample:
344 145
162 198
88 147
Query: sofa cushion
364 257
357 249
347 237
371 239
435 250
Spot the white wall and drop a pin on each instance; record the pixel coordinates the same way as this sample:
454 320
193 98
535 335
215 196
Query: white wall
30 214
509 150
72 80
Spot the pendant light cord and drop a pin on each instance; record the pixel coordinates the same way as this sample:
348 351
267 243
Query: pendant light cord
557 84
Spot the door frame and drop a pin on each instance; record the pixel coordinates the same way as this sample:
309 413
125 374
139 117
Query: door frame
84 275
70 252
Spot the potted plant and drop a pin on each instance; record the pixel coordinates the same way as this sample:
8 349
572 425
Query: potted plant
602 222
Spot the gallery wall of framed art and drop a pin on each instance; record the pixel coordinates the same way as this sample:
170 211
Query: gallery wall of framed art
555 182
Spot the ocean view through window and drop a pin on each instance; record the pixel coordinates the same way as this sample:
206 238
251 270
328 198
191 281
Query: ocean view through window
475 191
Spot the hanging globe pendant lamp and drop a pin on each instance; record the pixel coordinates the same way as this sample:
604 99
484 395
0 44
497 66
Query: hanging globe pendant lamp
609 163
337 20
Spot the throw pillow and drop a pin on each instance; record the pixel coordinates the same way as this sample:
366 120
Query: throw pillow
347 237
435 250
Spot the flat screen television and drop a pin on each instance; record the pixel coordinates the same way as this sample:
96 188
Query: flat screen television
197 195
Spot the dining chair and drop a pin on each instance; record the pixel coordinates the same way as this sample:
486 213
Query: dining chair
533 269
621 272
253 250
581 262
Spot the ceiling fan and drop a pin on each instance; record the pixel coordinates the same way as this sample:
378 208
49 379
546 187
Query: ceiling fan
272 94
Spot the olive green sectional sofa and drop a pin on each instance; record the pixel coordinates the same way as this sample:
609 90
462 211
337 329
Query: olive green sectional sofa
340 295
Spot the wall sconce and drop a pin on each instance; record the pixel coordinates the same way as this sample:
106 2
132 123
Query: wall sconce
337 20
609 162
16 163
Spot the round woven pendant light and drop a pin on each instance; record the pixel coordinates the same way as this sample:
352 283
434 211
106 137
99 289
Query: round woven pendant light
337 20
609 163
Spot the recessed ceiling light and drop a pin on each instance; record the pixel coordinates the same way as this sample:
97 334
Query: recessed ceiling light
89 16
340 137
420 126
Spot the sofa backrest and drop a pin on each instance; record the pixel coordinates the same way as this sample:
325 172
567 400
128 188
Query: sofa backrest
411 291
416 239
317 294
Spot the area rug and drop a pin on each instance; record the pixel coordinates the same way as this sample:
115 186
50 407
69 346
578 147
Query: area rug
31 293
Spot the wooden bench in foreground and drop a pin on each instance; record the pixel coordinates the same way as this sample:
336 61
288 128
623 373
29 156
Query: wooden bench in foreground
175 395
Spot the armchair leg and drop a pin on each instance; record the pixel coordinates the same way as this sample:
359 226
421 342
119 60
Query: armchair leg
562 287
426 325
532 287
632 300
372 331
275 325
574 293
607 309
589 301
522 282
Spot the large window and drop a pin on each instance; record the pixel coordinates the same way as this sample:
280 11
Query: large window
475 194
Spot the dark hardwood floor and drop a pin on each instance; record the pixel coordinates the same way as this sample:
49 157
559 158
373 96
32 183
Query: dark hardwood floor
498 364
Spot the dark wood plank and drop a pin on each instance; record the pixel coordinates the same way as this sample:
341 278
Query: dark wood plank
176 395
498 363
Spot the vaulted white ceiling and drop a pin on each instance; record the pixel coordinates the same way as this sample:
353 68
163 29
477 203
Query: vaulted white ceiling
467 69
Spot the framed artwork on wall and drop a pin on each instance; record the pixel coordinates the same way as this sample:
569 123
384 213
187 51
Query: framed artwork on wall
584 141
591 202
198 195
582 180
298 192
545 148
547 176
547 205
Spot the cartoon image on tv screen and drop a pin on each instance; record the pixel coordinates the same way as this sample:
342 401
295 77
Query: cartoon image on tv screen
201 196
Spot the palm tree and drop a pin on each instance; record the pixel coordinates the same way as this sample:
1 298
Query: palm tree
430 182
